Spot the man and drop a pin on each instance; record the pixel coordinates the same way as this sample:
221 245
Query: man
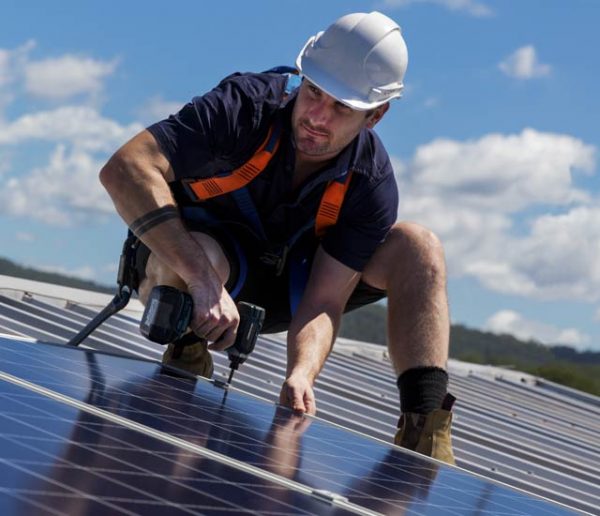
286 198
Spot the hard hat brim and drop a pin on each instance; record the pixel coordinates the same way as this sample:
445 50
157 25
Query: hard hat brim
335 88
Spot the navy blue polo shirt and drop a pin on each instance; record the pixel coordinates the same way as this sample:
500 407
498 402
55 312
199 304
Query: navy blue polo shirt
221 130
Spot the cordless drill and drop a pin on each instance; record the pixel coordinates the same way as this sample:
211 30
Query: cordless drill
168 313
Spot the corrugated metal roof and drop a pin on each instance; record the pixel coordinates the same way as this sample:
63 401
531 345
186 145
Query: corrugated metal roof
509 426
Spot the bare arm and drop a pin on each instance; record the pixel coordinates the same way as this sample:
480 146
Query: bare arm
136 177
314 328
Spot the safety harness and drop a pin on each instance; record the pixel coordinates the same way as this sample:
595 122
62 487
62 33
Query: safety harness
235 184
331 202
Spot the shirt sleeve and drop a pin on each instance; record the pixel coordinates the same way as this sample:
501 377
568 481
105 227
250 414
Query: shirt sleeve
365 219
210 133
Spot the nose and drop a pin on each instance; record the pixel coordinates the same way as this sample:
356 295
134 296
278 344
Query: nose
319 113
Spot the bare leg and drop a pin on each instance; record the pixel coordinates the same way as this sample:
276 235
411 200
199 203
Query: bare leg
410 266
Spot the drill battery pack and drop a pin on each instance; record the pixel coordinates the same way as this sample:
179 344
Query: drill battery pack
167 314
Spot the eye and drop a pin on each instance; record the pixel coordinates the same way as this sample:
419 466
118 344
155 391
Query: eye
313 90
342 108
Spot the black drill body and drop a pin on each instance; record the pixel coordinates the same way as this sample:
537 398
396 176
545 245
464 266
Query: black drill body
168 313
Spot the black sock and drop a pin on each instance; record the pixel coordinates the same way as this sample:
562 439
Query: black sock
422 389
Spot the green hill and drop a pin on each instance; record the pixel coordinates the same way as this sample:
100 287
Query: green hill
8 268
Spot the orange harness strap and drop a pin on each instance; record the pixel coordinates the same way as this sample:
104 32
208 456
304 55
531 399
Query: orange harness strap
212 187
331 204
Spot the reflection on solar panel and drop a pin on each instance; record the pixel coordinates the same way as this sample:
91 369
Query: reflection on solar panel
84 431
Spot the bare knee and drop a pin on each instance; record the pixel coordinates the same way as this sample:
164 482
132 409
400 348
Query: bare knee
411 254
159 273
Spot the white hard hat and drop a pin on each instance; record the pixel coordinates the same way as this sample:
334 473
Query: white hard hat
360 60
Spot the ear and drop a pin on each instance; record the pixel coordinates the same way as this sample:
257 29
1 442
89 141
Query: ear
377 115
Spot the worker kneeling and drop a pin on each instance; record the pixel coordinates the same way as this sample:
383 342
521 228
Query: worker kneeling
274 189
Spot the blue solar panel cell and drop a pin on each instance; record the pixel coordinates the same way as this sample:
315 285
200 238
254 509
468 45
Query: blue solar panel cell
235 426
56 459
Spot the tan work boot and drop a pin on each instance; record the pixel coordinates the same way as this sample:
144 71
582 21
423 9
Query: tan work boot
428 434
194 358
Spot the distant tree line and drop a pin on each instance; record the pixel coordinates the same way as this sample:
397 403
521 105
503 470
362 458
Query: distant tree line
8 268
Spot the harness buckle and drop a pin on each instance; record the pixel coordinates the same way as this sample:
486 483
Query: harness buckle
275 259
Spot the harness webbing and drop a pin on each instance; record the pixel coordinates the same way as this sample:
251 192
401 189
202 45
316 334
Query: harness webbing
331 203
329 208
212 187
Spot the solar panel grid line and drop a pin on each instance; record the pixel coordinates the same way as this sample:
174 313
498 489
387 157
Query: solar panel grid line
290 484
142 470
321 413
82 494
513 443
507 474
510 445
272 386
321 410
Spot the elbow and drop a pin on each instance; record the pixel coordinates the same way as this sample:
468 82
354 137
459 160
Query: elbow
113 173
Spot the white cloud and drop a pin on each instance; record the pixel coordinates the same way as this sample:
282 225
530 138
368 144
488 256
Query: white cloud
482 198
66 76
513 323
524 64
12 62
63 192
64 189
471 7
83 126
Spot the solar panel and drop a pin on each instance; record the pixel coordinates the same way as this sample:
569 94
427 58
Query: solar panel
85 427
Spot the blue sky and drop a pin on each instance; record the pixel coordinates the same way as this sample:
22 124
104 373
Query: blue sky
495 142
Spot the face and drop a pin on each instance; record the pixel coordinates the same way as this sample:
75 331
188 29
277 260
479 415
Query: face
322 126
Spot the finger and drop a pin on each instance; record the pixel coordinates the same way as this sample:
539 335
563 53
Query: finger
215 333
286 396
298 401
309 403
225 341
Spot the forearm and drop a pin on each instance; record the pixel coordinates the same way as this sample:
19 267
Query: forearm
136 180
310 340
